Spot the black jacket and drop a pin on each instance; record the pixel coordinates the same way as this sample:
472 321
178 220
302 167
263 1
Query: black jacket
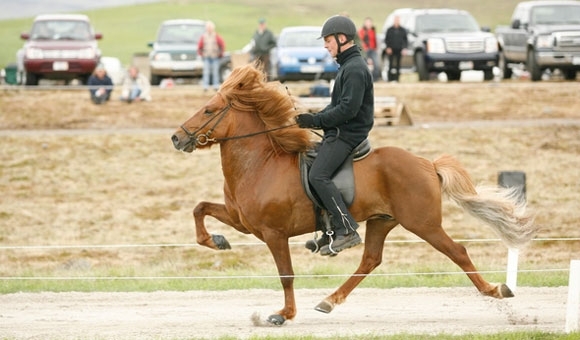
351 108
396 38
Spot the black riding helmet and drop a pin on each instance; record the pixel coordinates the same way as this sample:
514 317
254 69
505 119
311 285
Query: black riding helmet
336 25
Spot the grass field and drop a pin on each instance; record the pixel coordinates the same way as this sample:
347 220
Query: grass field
127 30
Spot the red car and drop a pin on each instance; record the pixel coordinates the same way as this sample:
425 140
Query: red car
59 46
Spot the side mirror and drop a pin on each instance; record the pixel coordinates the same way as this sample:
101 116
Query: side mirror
24 36
485 29
150 44
516 24
98 36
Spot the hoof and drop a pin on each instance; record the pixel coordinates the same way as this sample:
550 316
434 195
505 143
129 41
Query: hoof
324 307
276 320
221 242
505 291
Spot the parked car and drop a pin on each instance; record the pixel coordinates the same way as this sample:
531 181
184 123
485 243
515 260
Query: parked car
300 55
543 35
443 40
59 46
174 53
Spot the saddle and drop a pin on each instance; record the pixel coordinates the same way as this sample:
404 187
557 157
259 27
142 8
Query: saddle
343 179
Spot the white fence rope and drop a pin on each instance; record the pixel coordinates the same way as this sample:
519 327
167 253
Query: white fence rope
175 245
216 277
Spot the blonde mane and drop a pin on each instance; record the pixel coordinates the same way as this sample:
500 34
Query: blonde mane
247 91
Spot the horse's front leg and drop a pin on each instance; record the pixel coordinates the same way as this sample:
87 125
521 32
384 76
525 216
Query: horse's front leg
278 245
219 212
376 232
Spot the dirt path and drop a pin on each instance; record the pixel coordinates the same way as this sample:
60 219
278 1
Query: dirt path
195 314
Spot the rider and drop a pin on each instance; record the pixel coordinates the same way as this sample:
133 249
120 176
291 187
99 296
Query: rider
346 122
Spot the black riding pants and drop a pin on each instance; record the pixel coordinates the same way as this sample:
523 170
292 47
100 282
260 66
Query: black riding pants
331 154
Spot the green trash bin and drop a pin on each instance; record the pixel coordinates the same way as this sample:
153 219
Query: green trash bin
11 70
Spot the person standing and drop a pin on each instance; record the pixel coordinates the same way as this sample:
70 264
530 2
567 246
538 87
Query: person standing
396 42
368 38
136 86
100 85
346 122
211 48
264 41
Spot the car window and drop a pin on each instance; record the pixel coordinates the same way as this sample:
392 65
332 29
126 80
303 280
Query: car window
61 30
300 39
550 15
431 23
180 34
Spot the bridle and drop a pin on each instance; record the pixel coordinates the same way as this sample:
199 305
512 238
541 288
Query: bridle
204 138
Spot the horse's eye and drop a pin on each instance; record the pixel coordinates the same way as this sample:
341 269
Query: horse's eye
208 112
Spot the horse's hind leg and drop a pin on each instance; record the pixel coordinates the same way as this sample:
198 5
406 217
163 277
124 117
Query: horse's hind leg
219 212
376 232
458 254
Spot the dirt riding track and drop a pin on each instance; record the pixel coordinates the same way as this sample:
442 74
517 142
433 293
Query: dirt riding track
202 314
73 173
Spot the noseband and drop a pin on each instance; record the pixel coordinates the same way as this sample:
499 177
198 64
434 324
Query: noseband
204 138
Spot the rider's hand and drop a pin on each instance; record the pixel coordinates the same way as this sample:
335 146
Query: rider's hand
305 120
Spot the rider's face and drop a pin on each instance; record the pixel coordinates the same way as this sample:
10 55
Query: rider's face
330 45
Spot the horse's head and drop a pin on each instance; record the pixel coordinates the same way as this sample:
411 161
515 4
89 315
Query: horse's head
245 106
199 129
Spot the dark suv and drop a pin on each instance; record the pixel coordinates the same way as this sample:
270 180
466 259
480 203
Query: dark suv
175 54
59 46
444 40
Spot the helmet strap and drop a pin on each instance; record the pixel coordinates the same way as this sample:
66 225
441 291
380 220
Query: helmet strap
339 44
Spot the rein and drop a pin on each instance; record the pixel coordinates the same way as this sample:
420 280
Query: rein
204 138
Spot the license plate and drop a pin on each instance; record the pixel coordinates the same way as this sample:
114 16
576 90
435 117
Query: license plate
575 60
60 66
311 69
466 65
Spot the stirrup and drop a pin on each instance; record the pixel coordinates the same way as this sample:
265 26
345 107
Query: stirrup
315 244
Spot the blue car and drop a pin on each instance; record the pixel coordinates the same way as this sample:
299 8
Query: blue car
300 55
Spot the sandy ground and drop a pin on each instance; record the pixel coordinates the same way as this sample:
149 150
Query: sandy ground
204 314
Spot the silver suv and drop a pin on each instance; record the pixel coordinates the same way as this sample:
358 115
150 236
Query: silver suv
444 40
174 52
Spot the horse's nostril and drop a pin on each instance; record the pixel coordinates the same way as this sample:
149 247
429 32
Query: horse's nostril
175 140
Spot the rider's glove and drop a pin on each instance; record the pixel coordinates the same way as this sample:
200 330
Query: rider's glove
305 120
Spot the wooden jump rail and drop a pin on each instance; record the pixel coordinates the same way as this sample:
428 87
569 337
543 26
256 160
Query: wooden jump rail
388 110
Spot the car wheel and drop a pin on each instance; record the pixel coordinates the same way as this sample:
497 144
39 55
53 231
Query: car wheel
421 66
488 74
453 75
155 79
532 66
31 79
570 74
503 66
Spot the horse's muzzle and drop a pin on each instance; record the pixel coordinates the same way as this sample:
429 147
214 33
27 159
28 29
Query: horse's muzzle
184 144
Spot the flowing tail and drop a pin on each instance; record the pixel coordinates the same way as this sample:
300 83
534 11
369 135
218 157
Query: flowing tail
498 207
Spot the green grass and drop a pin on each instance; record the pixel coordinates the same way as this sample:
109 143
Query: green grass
127 30
147 279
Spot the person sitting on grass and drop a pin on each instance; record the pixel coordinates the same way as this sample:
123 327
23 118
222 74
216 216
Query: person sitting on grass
100 85
135 87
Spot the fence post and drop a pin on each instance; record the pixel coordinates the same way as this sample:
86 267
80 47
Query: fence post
512 269
573 303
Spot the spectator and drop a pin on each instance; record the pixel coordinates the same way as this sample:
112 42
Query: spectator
136 86
368 38
211 48
396 42
100 85
264 41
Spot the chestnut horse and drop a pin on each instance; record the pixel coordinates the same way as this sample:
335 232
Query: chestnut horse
252 121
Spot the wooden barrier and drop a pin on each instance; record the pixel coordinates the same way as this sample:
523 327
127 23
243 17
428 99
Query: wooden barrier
388 110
